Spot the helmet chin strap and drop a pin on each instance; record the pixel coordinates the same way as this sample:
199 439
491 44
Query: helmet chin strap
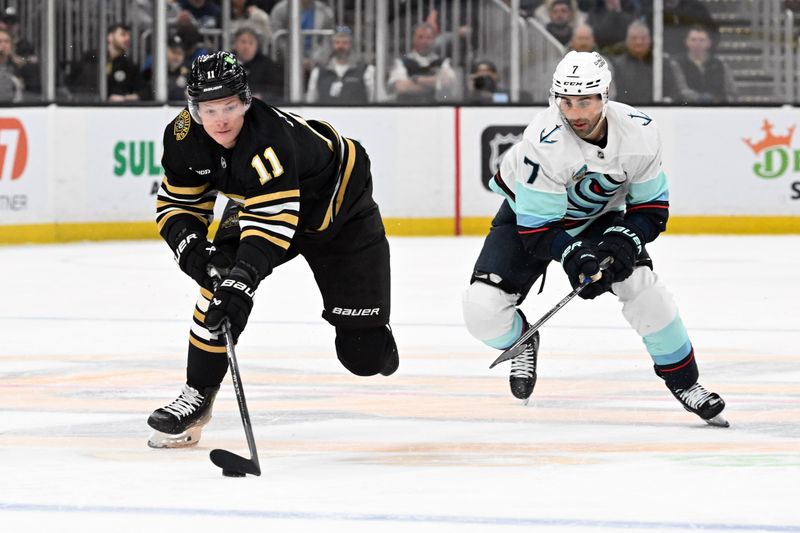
599 123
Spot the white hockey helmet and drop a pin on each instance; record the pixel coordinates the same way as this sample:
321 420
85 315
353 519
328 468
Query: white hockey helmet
581 74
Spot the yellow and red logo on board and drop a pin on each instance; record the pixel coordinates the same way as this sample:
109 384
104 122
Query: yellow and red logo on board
13 149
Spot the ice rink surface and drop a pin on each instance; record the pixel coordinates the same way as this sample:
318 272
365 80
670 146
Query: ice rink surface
94 338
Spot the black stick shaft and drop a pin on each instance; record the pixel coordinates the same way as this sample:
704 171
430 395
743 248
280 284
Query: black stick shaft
519 346
237 386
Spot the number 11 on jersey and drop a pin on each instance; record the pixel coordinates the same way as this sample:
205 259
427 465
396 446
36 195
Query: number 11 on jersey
263 174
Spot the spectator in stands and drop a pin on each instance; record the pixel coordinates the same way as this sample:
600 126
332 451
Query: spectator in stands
124 82
264 5
679 16
264 75
24 54
10 83
700 76
421 76
314 15
205 13
177 69
633 70
542 13
246 13
343 80
527 8
193 44
610 19
485 86
561 16
23 48
452 35
583 39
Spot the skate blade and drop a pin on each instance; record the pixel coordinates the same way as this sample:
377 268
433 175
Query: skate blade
188 438
718 421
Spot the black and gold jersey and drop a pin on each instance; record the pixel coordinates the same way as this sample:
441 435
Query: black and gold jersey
288 174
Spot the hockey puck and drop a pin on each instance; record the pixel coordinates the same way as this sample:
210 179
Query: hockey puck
232 473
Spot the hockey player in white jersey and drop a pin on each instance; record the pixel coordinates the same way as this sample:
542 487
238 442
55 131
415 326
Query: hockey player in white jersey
584 183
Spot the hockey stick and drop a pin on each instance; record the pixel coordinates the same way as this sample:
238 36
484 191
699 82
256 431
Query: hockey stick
233 465
519 346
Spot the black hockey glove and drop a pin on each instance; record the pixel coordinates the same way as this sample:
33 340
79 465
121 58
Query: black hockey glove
624 245
232 301
194 254
580 262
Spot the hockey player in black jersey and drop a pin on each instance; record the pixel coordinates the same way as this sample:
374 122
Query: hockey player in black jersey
295 187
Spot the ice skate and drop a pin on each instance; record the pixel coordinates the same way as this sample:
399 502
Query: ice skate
523 369
180 423
707 405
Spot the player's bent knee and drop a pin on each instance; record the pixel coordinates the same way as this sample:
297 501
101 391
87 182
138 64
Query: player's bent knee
367 351
647 305
488 310
642 279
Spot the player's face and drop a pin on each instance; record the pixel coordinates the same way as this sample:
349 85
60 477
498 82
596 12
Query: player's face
223 119
583 113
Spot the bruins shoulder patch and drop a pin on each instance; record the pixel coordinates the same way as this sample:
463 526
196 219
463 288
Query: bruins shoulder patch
181 125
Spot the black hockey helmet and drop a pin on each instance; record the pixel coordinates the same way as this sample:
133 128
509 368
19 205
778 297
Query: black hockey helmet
214 76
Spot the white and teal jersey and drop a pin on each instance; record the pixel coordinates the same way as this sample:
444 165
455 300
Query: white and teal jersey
553 175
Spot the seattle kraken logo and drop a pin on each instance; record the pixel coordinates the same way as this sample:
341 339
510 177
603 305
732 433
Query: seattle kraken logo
591 194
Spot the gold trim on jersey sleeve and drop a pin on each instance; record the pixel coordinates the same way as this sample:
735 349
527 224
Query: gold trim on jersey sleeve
294 193
271 238
163 220
173 189
280 217
351 161
207 206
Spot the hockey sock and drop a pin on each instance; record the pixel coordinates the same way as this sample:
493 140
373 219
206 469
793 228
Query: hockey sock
680 375
205 369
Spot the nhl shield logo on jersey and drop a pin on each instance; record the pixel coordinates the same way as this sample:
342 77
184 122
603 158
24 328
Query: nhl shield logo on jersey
181 125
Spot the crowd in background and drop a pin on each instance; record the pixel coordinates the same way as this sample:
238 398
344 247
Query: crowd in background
621 30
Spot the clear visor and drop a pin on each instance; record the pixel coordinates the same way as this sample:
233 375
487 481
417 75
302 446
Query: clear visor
566 103
226 109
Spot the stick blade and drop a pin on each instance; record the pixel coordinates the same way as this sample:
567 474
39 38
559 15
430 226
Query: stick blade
233 465
511 353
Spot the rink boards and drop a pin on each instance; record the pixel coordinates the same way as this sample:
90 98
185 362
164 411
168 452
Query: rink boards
92 173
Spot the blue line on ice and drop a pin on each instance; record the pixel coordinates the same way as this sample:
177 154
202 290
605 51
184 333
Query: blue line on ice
368 517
